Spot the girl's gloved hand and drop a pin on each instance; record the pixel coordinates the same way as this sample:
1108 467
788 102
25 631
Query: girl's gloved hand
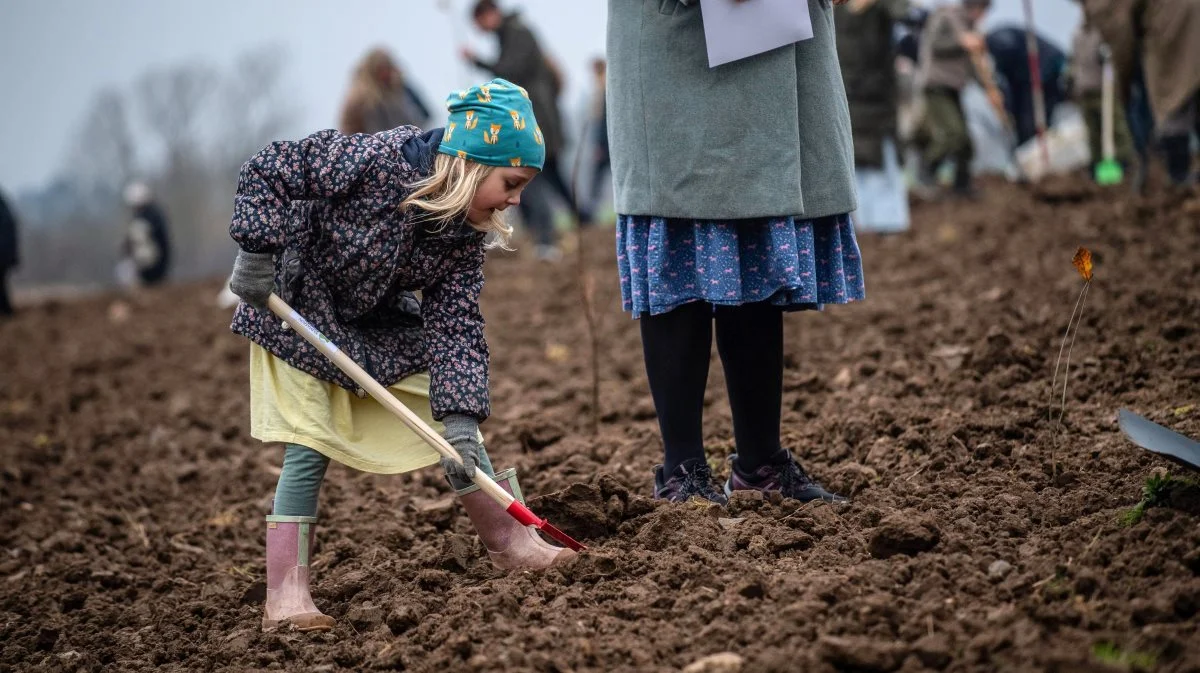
253 277
462 432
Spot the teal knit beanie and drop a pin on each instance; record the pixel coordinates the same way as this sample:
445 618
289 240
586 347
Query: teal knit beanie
493 124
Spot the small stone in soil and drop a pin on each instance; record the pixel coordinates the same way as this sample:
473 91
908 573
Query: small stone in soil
722 662
999 569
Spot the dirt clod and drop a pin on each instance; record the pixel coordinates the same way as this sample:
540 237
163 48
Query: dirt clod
904 533
861 654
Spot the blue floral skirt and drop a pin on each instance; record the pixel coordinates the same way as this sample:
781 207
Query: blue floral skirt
793 263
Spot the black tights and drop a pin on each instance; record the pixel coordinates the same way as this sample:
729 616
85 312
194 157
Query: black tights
677 348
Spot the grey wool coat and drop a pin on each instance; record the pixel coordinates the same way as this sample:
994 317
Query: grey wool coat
768 135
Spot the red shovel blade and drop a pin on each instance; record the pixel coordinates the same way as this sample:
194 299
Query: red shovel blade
527 518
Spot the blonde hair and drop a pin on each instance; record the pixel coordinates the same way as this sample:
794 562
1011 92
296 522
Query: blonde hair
447 193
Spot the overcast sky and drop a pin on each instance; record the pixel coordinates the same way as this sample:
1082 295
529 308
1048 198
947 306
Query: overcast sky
55 54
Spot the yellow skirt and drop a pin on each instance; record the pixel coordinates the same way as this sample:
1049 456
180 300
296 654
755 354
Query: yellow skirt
294 407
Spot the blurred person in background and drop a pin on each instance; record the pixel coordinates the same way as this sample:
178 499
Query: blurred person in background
380 97
521 60
1007 47
867 53
912 137
1085 80
948 43
10 256
911 24
1163 38
596 144
147 247
1140 120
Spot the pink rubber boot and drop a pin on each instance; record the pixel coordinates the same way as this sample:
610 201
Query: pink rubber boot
510 545
289 605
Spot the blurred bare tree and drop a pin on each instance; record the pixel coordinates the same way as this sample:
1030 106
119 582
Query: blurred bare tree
102 156
173 101
199 125
255 110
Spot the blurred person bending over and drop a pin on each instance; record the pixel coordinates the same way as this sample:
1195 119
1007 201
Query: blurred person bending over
147 246
380 97
1164 37
948 42
1007 47
521 59
10 256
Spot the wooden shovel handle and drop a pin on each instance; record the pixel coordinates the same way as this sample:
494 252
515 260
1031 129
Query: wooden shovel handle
381 394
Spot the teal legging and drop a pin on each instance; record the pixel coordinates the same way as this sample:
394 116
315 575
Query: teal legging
303 471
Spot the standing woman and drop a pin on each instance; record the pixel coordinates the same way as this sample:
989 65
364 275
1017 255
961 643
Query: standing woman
380 99
733 187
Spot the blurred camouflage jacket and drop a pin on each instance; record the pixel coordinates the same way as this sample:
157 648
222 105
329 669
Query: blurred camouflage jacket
1166 34
866 50
945 64
357 252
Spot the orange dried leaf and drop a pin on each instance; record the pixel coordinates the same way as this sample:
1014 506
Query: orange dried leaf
1083 263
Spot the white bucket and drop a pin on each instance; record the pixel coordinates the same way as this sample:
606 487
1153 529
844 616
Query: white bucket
1067 145
882 195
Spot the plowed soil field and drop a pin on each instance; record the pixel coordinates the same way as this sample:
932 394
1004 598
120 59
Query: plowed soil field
132 496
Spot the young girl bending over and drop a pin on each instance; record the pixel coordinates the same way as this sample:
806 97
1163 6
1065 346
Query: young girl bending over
345 228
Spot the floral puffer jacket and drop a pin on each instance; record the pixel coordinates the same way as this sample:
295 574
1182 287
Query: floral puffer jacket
330 206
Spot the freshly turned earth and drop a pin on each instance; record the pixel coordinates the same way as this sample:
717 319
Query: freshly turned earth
132 496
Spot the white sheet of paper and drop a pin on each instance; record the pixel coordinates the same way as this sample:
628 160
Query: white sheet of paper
734 30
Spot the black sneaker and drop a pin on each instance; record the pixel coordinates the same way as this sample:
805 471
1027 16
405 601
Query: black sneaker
692 479
782 474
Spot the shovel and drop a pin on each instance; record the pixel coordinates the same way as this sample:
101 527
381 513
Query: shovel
1108 170
510 504
1154 437
1035 81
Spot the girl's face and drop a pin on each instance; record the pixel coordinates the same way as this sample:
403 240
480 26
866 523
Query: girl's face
499 190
